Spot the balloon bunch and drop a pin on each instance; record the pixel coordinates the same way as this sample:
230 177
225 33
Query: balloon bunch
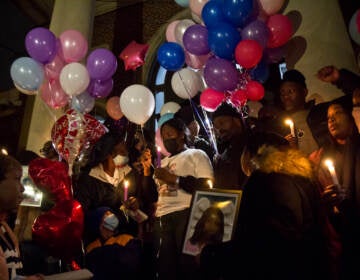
60 229
54 70
226 46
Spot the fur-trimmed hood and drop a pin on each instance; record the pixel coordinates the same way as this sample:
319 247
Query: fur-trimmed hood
290 161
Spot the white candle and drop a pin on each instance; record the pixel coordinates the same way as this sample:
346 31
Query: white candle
330 166
126 188
158 159
290 123
209 182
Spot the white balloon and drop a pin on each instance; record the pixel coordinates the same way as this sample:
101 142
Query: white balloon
137 103
169 107
74 78
186 83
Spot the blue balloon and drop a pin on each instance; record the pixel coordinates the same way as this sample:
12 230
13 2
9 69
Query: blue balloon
223 39
171 56
27 73
237 11
212 13
182 3
261 72
164 118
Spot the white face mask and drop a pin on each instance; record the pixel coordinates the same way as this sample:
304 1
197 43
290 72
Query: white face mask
120 160
356 116
111 222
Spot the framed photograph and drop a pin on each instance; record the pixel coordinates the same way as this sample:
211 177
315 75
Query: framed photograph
212 218
32 195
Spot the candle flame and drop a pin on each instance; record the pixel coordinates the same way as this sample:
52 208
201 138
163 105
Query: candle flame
329 163
126 183
209 182
289 122
158 148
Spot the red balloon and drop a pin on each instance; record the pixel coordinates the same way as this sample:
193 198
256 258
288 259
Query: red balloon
61 228
133 55
254 91
238 97
52 177
280 30
248 53
210 99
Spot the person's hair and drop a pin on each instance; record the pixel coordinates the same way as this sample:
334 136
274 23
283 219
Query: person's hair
226 109
103 148
200 233
7 163
181 127
294 76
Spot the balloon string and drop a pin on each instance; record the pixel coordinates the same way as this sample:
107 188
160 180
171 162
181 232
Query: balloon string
207 126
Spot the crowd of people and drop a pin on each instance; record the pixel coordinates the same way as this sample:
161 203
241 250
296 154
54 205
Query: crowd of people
298 218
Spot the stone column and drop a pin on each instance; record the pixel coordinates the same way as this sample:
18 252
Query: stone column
321 39
67 14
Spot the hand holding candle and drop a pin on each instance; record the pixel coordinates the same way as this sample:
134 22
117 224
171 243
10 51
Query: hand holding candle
290 123
126 189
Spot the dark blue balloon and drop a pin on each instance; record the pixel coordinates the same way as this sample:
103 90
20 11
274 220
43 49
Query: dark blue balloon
212 13
171 56
261 72
237 11
223 39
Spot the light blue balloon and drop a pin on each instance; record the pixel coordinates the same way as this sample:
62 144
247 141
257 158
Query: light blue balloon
164 118
353 30
27 73
182 3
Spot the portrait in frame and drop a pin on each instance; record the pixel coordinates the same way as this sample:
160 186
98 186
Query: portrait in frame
212 219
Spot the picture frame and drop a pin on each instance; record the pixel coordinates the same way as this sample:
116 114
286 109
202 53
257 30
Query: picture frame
32 195
205 205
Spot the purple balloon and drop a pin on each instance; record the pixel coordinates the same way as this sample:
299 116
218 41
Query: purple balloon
274 55
195 39
256 30
221 74
100 88
41 44
101 64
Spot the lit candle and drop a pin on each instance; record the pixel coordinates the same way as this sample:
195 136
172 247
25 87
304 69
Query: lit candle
126 188
209 182
158 159
331 168
290 123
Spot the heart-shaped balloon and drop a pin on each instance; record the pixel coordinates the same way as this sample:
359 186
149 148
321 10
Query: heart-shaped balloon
60 229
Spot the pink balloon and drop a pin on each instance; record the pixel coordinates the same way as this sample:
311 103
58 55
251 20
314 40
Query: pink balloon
196 61
170 31
113 108
53 68
74 46
53 94
280 30
210 99
160 144
255 91
270 7
196 6
238 97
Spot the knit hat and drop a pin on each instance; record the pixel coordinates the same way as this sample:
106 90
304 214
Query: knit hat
294 76
226 110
